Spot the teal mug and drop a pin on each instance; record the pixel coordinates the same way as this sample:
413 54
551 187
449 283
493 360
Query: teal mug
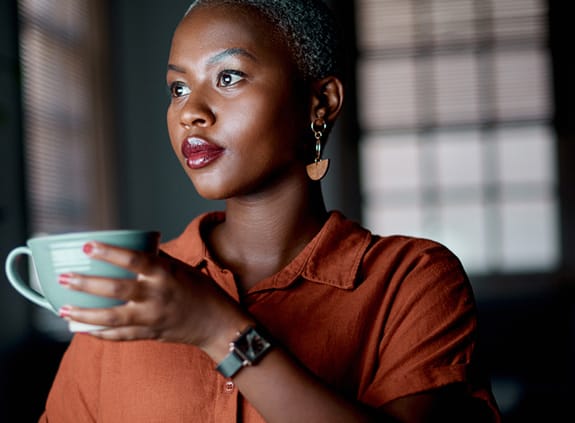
52 255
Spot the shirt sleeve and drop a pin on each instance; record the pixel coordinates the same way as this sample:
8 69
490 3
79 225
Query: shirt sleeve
74 394
430 323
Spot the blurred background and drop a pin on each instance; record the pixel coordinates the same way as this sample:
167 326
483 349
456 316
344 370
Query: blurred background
459 126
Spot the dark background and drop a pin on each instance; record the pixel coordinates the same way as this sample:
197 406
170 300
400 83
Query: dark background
527 321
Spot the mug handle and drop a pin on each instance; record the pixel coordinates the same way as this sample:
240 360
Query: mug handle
18 283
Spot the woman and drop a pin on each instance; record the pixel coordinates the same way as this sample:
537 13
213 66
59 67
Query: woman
326 321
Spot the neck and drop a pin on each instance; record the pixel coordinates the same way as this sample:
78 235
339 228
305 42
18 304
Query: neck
263 234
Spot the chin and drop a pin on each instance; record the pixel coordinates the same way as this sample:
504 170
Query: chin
207 185
210 192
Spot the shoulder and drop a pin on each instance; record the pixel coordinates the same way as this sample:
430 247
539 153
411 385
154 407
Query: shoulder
358 253
422 275
387 249
407 253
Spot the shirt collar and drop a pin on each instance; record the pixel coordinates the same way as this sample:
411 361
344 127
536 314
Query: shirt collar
189 246
332 257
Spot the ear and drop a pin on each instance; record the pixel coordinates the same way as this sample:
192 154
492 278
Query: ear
327 99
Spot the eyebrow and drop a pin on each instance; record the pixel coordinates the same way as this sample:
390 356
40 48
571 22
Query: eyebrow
236 51
175 68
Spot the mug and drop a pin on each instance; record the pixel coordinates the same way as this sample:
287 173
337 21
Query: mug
52 255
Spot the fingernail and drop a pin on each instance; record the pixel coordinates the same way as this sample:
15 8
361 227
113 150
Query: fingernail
88 248
65 279
64 311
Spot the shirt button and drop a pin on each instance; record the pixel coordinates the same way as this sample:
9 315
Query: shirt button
229 386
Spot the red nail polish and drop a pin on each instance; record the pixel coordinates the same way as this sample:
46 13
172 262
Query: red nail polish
88 248
64 279
64 311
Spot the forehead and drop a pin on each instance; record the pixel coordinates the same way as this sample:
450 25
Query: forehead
241 26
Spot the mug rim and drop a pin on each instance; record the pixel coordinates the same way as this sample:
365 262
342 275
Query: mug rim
91 234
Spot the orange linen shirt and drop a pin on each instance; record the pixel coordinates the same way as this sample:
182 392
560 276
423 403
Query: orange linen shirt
376 318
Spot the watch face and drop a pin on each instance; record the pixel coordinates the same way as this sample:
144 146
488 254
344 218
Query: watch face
250 346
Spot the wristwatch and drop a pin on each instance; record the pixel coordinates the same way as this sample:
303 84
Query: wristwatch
247 349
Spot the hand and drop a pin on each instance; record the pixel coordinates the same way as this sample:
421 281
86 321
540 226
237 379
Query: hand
169 300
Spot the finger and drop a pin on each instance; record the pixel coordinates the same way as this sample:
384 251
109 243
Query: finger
109 317
128 314
126 333
114 320
135 261
123 289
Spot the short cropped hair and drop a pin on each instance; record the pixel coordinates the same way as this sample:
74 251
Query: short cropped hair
309 28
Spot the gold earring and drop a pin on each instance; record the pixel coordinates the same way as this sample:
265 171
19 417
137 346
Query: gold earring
318 169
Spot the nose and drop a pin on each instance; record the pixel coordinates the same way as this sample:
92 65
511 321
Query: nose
197 112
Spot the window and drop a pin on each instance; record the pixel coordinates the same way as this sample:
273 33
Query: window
457 145
67 133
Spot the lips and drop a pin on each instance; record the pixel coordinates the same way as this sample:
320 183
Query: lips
200 153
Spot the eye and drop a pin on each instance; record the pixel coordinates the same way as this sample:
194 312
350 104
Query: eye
228 78
179 89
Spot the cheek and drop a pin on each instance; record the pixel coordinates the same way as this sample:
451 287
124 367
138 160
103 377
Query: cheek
276 125
262 138
170 118
173 132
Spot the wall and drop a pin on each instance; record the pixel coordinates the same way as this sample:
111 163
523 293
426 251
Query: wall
153 189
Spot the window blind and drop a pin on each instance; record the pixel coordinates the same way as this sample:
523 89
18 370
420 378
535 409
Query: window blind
66 123
454 109
66 131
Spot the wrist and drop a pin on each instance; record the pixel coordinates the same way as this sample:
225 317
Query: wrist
246 349
218 345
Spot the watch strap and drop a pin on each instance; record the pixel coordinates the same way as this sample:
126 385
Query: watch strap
230 365
247 349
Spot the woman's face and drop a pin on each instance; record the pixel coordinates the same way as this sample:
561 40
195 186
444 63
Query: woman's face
237 117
